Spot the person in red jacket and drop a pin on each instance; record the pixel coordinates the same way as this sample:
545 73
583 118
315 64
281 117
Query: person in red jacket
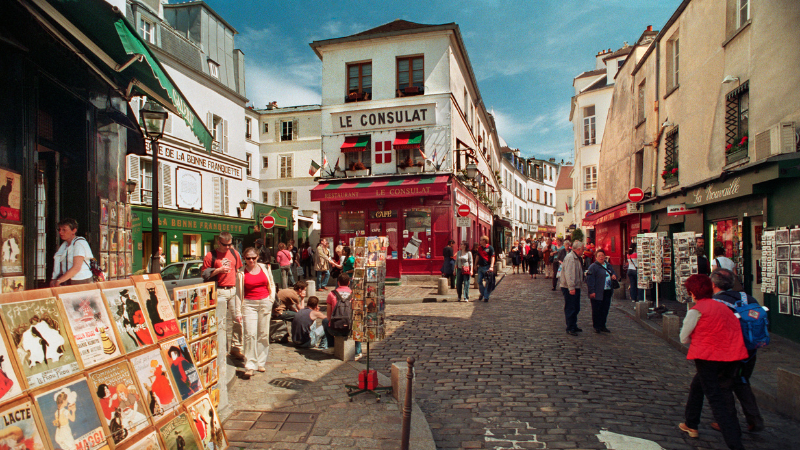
717 348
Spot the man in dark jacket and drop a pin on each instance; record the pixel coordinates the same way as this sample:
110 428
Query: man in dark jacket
722 281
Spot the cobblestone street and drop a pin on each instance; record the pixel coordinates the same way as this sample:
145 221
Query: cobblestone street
505 375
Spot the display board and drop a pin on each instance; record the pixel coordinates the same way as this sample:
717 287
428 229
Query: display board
369 289
195 307
116 239
786 269
768 265
685 262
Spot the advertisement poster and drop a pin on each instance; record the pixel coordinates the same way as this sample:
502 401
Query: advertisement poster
12 248
184 372
71 418
19 430
121 405
126 311
38 334
177 434
207 424
9 383
91 326
9 195
159 395
158 309
147 442
13 284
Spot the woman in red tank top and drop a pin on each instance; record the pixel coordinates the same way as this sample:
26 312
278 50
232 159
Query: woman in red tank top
256 288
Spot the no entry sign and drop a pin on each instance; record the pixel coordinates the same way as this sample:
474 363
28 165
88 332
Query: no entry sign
635 195
268 222
463 210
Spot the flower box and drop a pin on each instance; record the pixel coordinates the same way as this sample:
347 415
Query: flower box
736 155
357 173
409 169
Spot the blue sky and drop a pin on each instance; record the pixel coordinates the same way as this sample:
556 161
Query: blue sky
524 53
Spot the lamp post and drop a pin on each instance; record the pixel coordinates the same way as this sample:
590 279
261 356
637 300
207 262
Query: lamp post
152 118
131 186
472 170
242 206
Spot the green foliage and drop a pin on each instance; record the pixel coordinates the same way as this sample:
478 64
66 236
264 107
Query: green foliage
577 235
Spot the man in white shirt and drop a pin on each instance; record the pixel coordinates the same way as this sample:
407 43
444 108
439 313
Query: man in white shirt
721 261
72 258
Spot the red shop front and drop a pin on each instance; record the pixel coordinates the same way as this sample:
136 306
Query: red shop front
615 229
417 210
480 217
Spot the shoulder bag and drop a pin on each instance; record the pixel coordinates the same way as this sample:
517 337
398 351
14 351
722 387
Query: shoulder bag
614 283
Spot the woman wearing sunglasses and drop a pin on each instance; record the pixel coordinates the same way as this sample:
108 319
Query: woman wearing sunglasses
255 286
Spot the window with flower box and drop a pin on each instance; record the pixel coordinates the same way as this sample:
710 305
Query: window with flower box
410 76
670 173
359 82
737 113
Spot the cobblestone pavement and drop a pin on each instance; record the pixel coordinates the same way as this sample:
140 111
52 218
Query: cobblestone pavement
504 374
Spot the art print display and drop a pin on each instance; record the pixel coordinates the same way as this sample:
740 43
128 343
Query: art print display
20 431
13 284
782 252
12 248
796 286
128 317
112 239
10 386
121 239
112 213
181 301
206 422
120 215
212 323
112 265
128 216
158 308
783 286
147 442
38 334
783 268
768 266
183 324
121 265
784 304
10 195
154 383
368 288
184 373
103 238
177 434
91 326
796 306
204 324
129 263
70 417
103 211
121 405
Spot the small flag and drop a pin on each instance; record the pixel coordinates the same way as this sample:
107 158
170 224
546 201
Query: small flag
567 205
314 168
337 164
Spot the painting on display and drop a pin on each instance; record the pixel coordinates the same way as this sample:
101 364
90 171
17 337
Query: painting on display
13 284
121 406
154 383
12 248
103 211
10 386
112 213
126 310
120 215
91 327
158 308
184 373
70 417
206 422
10 195
147 442
19 431
38 334
177 434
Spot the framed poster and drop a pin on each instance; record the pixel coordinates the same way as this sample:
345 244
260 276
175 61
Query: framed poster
158 307
103 211
177 434
10 195
126 312
206 423
159 393
182 368
20 431
183 324
10 386
103 238
12 248
181 301
112 266
37 332
13 284
128 262
69 415
128 216
120 215
91 327
112 213
112 239
121 265
119 402
147 441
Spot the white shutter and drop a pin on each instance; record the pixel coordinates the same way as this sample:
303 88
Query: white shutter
787 138
295 129
225 204
135 174
217 209
277 131
224 140
289 172
277 196
294 198
210 122
166 185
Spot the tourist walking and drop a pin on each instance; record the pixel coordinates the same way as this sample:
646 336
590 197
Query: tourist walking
448 264
220 265
533 259
514 254
633 268
485 272
599 283
285 262
255 286
570 281
464 263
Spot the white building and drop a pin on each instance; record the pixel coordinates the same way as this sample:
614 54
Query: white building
565 212
542 176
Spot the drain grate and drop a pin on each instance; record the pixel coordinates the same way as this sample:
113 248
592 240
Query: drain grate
244 428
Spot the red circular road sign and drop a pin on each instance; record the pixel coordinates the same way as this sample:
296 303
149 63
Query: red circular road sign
268 222
463 210
635 195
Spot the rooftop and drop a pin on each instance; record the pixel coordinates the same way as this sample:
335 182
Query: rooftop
564 180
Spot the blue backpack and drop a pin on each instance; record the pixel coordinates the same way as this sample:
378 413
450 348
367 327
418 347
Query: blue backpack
754 322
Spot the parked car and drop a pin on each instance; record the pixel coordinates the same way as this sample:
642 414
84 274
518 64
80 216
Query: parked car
182 273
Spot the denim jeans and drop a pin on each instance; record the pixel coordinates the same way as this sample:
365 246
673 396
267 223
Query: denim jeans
715 379
316 334
287 277
572 306
632 279
322 278
462 284
330 334
255 321
480 275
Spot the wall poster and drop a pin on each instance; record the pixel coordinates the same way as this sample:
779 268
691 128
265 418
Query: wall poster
126 310
121 406
154 383
184 373
10 195
91 327
177 434
19 431
206 422
158 308
12 248
69 414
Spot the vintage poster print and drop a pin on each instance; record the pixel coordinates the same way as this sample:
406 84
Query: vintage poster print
202 297
158 309
181 301
121 215
38 334
121 239
9 383
128 216
71 418
147 442
184 372
19 431
177 434
121 405
784 305
91 327
10 195
112 213
103 238
112 265
212 323
103 211
159 394
13 284
184 326
126 311
206 422
112 239
121 265
12 248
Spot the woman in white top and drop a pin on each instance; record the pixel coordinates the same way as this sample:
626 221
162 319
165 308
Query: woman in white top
72 258
464 265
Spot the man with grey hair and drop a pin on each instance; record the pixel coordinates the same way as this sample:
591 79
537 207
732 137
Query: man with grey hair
571 280
722 282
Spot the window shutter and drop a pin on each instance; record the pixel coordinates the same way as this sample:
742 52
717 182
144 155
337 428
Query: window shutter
210 122
225 204
277 131
277 197
294 198
289 172
378 152
295 129
224 141
135 174
217 205
166 185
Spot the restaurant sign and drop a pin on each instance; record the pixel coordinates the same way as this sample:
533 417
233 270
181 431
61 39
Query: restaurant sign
375 119
715 192
199 162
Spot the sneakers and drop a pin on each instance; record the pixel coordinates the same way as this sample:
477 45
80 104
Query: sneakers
690 431
358 356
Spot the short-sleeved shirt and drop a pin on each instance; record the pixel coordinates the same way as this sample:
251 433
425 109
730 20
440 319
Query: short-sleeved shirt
286 298
67 253
224 280
344 291
284 258
485 255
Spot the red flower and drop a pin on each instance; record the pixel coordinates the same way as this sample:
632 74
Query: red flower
664 173
744 140
675 171
728 147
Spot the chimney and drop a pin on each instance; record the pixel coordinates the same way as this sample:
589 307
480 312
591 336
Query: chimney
649 28
272 105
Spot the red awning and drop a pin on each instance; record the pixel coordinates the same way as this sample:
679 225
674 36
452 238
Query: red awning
408 140
608 214
355 144
418 186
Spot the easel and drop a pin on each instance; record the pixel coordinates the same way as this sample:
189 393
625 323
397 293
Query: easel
352 391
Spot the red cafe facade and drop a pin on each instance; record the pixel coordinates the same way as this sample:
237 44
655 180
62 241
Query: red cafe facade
420 209
615 228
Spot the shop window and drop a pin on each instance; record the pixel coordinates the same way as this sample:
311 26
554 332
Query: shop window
359 82
418 232
351 224
726 238
410 75
383 152
192 246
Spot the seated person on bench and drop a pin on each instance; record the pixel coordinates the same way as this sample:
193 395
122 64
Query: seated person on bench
305 331
290 302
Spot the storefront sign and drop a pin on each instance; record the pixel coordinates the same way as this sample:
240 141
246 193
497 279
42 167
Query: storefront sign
485 216
463 199
189 222
633 208
715 192
679 210
373 119
463 222
388 214
200 162
189 186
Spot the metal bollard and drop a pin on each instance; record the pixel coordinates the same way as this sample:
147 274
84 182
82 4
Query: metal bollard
406 437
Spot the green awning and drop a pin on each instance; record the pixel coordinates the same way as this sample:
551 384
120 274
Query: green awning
355 144
119 51
408 140
283 216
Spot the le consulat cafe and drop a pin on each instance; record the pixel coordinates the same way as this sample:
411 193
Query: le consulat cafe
390 175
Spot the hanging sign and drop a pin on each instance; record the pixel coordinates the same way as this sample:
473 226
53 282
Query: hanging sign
679 210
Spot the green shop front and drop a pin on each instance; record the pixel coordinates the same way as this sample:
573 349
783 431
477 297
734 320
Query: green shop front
184 236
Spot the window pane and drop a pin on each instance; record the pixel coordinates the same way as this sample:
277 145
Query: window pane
402 79
402 65
417 64
353 71
366 82
417 76
366 70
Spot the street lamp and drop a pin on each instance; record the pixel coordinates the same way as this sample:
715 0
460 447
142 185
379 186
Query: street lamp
472 170
242 205
152 118
131 186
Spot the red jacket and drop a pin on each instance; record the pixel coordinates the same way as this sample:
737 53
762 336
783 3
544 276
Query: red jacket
718 334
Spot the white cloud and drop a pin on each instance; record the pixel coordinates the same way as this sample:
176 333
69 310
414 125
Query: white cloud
513 127
265 85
